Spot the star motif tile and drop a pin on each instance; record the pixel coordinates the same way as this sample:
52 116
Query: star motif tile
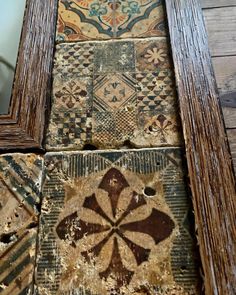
108 19
116 222
111 93
20 191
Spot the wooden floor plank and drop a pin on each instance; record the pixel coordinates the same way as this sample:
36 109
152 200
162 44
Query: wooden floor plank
225 71
229 117
232 142
217 3
221 24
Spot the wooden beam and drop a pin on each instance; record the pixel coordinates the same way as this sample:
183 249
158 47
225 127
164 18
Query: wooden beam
209 161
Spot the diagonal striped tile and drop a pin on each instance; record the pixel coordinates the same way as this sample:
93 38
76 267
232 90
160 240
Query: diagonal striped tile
20 185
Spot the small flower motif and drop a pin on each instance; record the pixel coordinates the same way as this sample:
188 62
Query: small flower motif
131 8
155 55
96 9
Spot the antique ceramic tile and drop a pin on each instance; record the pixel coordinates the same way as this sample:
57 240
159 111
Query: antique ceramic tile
114 57
109 93
106 19
20 184
141 18
75 59
152 55
116 222
114 91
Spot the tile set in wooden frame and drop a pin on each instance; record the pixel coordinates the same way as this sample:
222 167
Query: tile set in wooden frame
141 175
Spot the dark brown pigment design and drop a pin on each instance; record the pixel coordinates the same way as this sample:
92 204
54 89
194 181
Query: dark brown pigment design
158 225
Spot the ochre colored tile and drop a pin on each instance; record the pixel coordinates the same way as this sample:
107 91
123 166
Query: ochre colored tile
114 91
116 223
85 20
20 186
108 19
140 18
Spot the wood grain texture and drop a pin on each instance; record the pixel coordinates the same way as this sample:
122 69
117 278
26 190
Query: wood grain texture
225 71
209 162
229 117
232 142
217 3
23 127
221 24
228 103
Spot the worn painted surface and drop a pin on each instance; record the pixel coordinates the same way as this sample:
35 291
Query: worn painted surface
109 93
116 223
20 186
107 19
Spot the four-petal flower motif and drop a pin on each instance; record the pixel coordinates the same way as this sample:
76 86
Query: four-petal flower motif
158 225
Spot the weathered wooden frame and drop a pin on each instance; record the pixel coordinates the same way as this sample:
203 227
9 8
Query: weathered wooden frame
23 126
208 157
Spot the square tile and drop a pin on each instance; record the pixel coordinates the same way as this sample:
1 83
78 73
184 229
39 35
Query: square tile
116 222
113 129
74 59
158 129
113 57
114 91
141 18
156 91
20 190
72 93
153 55
69 129
85 20
108 19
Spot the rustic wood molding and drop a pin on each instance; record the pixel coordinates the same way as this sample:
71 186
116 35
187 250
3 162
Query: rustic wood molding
23 127
209 161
